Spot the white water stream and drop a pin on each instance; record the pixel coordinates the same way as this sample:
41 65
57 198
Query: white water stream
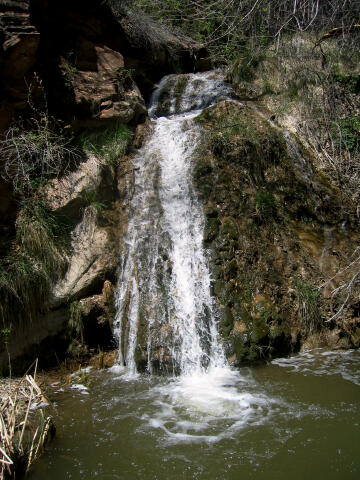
164 284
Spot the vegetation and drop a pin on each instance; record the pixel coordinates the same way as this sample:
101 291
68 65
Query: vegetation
36 259
34 152
227 26
309 306
109 144
23 433
314 89
266 206
76 322
92 202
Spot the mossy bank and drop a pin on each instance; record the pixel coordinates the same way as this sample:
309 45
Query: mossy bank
275 235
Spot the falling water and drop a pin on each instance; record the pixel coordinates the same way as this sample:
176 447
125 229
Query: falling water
166 318
163 292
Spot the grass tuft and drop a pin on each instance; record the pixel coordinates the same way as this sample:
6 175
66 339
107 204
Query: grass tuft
37 258
110 144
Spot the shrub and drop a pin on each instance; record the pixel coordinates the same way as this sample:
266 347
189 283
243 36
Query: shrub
37 258
36 153
91 201
42 235
76 322
266 206
346 133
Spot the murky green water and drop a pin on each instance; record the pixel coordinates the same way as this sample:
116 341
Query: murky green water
293 419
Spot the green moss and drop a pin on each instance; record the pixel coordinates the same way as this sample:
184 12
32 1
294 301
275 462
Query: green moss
179 90
211 229
266 205
219 288
240 347
251 171
229 228
258 329
202 176
231 269
227 323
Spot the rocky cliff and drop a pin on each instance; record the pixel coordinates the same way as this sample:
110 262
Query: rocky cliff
279 236
89 67
93 63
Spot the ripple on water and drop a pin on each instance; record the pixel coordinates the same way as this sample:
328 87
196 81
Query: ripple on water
325 362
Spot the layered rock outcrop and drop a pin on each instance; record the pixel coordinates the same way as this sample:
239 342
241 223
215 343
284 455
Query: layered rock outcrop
19 45
89 60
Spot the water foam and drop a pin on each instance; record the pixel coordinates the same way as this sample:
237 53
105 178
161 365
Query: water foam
209 406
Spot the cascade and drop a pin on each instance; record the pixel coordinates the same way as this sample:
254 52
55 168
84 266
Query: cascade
163 295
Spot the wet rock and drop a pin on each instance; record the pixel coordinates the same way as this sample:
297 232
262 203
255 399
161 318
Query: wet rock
97 314
272 248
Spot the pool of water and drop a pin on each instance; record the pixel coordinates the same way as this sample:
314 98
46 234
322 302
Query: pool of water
295 418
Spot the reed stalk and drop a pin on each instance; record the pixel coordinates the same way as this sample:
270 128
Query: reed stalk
24 433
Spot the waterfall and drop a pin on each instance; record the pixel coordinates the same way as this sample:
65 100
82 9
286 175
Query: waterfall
165 313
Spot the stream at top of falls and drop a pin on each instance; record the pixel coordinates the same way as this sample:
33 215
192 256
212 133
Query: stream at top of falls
296 417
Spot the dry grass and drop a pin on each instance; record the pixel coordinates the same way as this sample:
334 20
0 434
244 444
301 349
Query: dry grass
32 156
23 432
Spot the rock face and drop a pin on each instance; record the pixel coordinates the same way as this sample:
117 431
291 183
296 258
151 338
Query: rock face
275 230
93 254
19 45
91 199
88 60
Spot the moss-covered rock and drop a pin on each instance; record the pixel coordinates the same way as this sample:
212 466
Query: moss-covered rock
271 224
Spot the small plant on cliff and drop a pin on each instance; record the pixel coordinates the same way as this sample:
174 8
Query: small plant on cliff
40 152
75 321
91 201
42 235
124 74
110 144
36 259
266 205
309 305
35 149
346 134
